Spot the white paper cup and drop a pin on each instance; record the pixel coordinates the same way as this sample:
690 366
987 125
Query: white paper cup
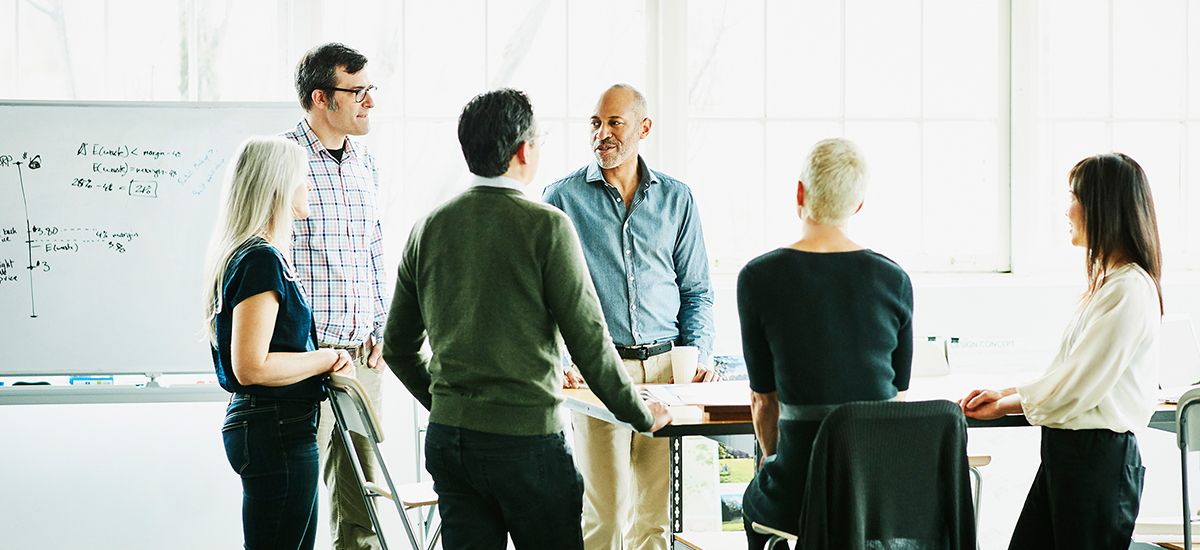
683 363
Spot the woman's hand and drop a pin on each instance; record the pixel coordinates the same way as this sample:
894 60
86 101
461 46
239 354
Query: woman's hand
990 404
343 364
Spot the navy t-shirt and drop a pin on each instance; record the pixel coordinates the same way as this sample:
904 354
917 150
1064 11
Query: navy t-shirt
819 329
826 328
255 268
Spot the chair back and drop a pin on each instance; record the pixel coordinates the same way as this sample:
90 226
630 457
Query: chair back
889 474
348 397
1187 421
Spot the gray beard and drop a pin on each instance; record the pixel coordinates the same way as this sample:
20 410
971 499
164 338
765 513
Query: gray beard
621 155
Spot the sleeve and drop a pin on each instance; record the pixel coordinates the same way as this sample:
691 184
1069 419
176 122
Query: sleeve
1114 325
405 331
696 324
257 272
379 282
573 303
379 274
902 355
760 363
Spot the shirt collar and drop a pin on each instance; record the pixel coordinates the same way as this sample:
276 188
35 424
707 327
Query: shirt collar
499 181
313 143
595 175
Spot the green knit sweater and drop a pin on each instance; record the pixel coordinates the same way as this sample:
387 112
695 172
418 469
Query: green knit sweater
494 277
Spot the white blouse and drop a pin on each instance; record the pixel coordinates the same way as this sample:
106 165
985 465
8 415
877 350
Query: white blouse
1106 371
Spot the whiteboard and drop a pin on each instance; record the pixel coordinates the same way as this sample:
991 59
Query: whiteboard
105 214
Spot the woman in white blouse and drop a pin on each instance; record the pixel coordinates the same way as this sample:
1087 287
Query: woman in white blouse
1101 384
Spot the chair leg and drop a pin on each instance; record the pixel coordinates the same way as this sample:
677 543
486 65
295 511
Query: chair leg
359 476
427 518
437 532
1187 512
978 491
412 538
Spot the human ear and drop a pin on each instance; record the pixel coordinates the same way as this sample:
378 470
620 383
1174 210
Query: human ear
523 152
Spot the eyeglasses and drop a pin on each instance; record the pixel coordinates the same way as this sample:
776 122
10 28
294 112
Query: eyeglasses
540 138
359 94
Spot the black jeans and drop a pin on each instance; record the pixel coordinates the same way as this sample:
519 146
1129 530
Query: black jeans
490 486
272 445
1086 493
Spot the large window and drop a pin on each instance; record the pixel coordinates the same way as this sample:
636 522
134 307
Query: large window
970 113
1105 76
917 83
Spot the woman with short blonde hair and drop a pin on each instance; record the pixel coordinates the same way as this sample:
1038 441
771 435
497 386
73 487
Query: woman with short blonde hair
824 322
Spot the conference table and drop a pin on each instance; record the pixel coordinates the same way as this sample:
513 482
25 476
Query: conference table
690 418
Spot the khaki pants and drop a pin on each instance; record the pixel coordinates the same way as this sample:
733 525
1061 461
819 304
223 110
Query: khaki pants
625 475
349 523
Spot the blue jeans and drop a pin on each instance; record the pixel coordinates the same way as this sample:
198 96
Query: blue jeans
272 445
492 485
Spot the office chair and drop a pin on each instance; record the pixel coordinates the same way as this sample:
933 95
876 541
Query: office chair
1187 435
887 474
354 413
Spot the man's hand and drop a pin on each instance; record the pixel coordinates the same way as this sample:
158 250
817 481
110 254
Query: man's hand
662 415
375 360
705 374
571 379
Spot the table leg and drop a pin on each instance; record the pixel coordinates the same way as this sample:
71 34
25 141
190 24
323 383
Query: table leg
676 480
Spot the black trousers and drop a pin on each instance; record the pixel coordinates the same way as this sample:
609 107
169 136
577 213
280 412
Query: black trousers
1086 493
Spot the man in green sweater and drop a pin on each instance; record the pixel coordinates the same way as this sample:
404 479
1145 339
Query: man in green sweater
494 278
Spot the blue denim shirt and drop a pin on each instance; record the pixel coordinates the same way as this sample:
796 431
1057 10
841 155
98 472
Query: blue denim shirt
649 266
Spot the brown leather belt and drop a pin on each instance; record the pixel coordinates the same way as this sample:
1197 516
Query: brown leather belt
642 353
354 351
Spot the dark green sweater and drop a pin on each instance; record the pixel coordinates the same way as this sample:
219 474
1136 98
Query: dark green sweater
494 278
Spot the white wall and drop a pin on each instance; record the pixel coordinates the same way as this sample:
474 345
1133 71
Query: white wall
144 476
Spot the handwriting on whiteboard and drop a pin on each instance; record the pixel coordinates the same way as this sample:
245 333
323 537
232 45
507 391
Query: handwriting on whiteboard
93 170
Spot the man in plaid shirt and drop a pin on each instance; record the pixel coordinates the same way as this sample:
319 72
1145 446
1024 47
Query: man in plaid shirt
338 253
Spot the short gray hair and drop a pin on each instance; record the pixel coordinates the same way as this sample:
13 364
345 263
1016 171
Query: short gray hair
835 180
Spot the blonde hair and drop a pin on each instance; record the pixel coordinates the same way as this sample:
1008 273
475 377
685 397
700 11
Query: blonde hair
835 181
256 200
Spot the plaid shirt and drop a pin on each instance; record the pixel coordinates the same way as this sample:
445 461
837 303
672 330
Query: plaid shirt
338 250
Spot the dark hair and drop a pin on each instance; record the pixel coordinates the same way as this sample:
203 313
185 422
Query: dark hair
1118 217
317 70
491 128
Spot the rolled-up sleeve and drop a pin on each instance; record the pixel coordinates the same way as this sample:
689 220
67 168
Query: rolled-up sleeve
696 324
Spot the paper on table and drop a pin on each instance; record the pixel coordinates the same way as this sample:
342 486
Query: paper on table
728 392
659 392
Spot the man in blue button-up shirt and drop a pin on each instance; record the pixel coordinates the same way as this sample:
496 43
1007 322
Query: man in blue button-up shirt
641 236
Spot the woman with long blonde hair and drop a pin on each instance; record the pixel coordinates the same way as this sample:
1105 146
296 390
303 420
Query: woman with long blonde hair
264 344
1100 387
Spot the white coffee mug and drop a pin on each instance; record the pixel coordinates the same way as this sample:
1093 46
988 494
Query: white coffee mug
683 363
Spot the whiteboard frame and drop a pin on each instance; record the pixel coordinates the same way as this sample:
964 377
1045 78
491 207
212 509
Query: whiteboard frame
293 107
